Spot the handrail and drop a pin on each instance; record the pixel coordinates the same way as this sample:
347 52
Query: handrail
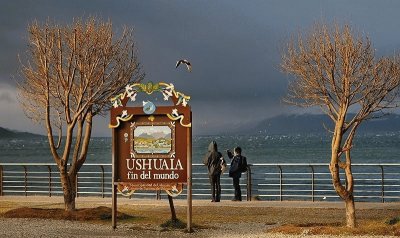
382 183
270 181
51 164
25 180
249 183
199 164
312 183
280 183
49 169
1 180
102 180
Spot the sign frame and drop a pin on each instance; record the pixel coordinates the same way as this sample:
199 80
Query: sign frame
124 121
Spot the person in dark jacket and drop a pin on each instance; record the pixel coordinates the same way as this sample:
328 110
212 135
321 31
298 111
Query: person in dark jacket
214 161
235 171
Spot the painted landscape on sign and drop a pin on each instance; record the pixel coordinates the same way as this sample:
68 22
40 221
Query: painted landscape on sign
152 139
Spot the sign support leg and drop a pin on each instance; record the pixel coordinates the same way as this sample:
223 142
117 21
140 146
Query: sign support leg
114 187
189 179
114 207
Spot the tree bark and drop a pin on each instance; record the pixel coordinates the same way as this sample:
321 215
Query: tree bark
349 201
69 190
345 192
171 206
69 201
350 212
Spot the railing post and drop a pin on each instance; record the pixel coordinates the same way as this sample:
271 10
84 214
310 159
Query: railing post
280 183
49 169
249 185
25 181
382 184
158 194
102 180
77 185
312 183
1 180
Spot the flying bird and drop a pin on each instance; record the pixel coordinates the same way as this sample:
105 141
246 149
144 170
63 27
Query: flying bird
184 61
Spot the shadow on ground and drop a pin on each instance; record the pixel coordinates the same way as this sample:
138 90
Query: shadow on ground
85 214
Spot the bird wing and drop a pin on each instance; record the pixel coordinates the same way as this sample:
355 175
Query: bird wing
186 62
189 67
178 63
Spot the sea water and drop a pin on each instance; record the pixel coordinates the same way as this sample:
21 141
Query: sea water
311 148
271 149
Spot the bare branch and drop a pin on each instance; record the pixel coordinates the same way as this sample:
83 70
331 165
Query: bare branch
71 73
336 69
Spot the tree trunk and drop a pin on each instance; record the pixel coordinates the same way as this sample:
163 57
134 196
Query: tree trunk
350 212
345 192
171 206
349 201
69 202
69 191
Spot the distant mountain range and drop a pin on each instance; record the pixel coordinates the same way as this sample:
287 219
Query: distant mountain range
157 135
7 133
282 124
314 123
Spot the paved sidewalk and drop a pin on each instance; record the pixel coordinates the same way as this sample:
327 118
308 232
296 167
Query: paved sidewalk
264 216
96 201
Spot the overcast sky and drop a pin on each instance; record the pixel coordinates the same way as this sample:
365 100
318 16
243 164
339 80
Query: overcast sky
234 47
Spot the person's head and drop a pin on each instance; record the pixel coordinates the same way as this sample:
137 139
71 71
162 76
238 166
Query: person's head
213 146
237 150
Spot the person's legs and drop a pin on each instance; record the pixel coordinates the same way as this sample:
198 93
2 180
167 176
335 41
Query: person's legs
239 192
212 183
218 188
236 186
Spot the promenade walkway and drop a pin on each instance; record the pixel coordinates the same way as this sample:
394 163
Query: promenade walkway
225 219
98 201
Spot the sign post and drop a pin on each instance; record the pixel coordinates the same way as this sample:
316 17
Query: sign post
114 186
189 179
152 145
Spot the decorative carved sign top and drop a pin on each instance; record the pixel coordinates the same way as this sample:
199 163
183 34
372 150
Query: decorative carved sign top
167 90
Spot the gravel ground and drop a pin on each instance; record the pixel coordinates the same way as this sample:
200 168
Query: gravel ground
11 228
50 228
259 216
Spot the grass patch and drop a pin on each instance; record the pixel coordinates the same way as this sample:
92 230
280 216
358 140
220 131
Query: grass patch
6 206
178 224
174 224
363 228
393 221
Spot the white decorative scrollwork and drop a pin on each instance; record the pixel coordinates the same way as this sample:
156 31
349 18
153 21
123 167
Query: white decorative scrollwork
175 116
167 90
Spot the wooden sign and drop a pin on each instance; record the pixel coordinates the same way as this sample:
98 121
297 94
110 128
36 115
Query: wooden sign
151 142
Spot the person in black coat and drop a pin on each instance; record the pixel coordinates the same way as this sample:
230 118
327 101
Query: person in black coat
235 171
214 161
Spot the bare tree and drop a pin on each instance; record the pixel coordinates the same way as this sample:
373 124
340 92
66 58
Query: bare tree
336 69
70 75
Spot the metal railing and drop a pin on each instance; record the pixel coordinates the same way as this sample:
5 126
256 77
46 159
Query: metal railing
296 181
372 182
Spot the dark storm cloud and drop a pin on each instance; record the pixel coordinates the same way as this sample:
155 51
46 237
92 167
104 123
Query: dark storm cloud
234 46
6 97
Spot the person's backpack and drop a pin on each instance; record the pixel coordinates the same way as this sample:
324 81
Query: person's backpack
243 164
